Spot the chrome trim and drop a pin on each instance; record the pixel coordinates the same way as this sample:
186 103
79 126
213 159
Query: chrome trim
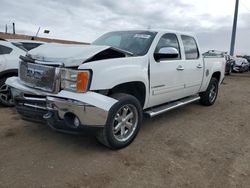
35 106
35 99
87 114
51 74
49 63
167 107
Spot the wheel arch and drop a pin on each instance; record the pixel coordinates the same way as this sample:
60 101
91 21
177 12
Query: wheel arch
9 73
217 75
134 88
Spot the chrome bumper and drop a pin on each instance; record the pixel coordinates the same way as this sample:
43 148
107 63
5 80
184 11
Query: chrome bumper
87 114
90 108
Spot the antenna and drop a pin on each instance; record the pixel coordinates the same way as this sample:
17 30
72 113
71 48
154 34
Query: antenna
38 31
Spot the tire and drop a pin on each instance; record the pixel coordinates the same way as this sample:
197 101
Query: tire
230 71
127 107
209 97
6 98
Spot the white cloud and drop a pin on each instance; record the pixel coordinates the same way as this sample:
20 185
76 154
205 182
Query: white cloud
84 20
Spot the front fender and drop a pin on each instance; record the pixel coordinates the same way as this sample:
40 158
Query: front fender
112 72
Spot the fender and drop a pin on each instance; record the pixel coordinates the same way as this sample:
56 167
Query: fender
117 71
211 68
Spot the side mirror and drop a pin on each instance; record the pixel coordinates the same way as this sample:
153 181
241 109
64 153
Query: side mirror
166 53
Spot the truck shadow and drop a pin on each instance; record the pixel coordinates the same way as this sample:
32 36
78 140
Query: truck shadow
43 134
242 75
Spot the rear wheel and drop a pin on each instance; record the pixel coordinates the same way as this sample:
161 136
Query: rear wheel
123 122
208 97
6 98
230 70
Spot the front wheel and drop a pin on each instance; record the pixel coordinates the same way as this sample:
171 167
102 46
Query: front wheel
123 122
208 97
6 98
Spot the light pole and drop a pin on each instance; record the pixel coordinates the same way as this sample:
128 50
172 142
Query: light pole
234 28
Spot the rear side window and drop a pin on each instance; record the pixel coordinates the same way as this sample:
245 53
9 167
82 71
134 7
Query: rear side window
190 47
5 50
168 40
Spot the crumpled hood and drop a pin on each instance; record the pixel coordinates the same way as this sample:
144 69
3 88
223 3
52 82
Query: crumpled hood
69 55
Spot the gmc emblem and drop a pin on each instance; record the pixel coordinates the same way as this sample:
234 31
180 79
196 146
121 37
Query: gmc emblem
34 73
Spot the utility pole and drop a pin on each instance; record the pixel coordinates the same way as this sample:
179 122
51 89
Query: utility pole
6 29
234 28
14 28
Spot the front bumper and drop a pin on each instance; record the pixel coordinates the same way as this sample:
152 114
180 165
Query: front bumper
240 68
60 110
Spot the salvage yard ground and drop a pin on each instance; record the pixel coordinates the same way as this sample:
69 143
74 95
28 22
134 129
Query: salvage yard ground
193 146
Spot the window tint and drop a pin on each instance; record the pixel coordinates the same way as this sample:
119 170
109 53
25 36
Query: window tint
190 47
136 42
114 41
168 40
5 50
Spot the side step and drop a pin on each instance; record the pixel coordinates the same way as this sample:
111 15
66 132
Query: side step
170 106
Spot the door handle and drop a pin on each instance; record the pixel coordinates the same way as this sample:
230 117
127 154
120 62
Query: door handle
199 66
180 68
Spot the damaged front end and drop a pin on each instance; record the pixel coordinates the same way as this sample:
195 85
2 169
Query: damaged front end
58 93
63 111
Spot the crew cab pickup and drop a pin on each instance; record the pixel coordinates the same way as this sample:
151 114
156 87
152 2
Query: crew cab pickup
110 84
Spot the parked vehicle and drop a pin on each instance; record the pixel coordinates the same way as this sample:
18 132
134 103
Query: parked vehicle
110 84
229 59
9 58
27 44
229 64
247 58
241 65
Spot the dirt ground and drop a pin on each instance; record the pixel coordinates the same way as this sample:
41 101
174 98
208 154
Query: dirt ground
193 146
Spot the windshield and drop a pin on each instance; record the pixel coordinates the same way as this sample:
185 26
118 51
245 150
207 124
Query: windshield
136 42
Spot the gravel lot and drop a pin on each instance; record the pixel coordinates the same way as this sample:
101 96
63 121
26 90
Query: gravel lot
193 146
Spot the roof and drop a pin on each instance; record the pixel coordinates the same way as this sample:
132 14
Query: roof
162 31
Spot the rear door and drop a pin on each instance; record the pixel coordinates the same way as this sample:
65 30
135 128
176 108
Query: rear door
194 67
166 75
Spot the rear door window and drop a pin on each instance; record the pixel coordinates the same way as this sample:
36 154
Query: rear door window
190 47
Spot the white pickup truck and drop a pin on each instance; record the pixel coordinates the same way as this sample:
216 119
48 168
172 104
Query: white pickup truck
112 83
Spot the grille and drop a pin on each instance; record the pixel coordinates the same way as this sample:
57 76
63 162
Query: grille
45 78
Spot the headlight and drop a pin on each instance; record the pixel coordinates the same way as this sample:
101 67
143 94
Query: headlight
75 80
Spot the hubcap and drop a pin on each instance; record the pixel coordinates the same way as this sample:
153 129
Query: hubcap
125 122
5 94
213 93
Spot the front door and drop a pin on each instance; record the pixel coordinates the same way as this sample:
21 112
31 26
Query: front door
166 75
